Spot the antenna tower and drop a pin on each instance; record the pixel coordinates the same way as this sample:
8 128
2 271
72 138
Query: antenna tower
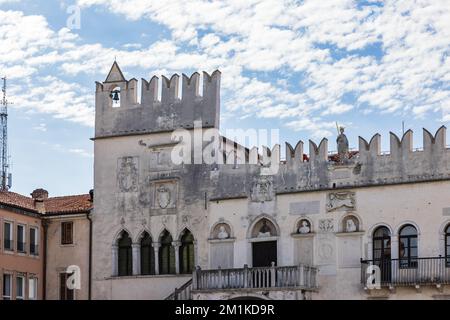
5 176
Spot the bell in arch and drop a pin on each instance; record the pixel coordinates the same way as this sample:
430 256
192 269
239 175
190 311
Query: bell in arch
115 95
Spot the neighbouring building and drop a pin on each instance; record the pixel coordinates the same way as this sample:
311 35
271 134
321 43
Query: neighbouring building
21 255
307 230
41 237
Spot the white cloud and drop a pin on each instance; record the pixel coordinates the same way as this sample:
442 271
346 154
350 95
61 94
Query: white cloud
268 35
321 44
40 127
82 153
76 151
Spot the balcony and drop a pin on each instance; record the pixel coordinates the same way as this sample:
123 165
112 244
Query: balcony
406 272
290 278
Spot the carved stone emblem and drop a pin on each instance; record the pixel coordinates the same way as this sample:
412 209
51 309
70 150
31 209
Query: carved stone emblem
326 225
127 174
262 190
163 197
341 201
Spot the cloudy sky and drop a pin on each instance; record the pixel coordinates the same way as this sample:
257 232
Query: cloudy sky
296 66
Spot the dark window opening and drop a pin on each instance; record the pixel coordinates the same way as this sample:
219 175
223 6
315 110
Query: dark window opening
147 255
166 254
64 292
20 238
125 255
33 242
186 253
7 237
408 247
447 246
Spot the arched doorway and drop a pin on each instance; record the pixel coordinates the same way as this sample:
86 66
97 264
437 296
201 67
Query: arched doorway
382 252
264 244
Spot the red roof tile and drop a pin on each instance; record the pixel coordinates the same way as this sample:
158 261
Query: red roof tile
17 200
64 204
76 203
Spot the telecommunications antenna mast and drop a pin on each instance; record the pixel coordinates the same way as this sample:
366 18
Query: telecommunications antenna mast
5 176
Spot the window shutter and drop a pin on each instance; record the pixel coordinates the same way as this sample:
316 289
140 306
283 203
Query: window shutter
67 232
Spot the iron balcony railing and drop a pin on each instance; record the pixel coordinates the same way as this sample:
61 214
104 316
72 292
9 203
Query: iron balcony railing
300 277
8 245
21 246
34 249
405 271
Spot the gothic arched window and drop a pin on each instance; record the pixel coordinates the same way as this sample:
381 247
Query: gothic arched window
408 247
125 255
186 253
166 254
147 255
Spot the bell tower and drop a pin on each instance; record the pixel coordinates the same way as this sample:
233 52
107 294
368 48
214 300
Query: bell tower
118 113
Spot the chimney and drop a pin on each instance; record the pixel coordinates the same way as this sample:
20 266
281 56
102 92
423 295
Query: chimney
39 195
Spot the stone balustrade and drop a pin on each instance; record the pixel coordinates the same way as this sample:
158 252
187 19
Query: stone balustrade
296 277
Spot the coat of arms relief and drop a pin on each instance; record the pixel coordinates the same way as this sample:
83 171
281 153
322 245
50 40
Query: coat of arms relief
128 174
164 194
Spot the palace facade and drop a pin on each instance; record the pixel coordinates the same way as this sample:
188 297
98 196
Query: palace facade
352 225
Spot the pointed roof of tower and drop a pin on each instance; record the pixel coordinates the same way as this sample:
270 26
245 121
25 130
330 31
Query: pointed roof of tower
115 74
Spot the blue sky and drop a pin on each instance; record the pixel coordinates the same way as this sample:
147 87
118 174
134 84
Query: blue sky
296 66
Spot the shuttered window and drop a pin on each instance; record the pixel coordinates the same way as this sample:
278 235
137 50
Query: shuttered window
67 232
147 255
166 254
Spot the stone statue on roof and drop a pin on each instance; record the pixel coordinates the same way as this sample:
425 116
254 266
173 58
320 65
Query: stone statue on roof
342 145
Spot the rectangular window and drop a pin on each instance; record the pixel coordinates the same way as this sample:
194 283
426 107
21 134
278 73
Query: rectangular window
20 238
67 232
32 288
20 287
7 286
8 236
64 292
34 241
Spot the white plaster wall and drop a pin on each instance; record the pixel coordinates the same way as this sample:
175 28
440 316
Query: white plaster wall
420 204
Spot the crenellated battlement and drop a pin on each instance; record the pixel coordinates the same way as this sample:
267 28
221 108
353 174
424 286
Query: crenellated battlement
367 166
161 107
